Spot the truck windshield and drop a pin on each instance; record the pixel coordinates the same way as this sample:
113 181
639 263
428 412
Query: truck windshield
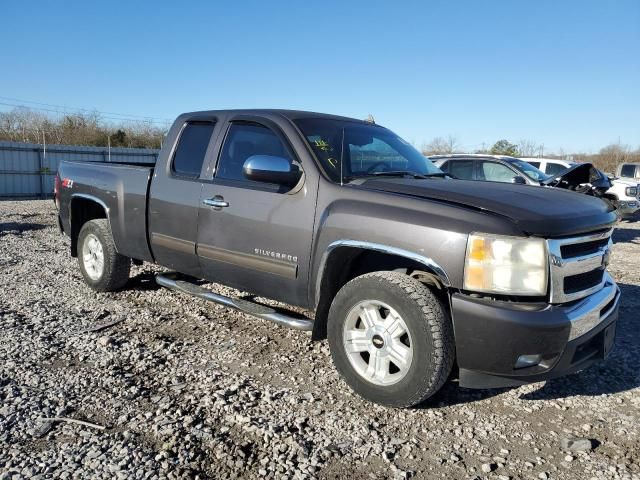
348 150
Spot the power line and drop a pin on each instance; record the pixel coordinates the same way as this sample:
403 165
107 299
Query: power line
119 119
65 108
61 109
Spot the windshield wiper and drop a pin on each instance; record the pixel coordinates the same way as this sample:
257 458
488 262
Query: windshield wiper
396 173
412 174
399 173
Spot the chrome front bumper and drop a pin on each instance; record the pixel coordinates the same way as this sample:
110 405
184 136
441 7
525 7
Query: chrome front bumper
587 313
491 336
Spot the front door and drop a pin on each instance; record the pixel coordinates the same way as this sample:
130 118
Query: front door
252 235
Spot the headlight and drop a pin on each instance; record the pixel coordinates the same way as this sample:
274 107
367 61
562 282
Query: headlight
506 265
631 191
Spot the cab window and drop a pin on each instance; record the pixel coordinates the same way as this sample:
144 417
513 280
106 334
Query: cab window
243 140
191 149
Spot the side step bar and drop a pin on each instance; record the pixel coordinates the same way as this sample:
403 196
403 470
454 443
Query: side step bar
172 280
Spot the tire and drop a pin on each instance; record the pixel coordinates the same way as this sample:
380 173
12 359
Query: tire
112 273
386 373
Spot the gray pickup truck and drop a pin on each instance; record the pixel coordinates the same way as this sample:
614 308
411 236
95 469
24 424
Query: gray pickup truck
413 276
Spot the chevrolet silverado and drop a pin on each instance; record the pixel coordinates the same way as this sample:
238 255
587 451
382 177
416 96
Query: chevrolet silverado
411 275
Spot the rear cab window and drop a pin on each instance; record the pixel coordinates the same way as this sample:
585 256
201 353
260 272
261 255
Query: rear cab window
191 149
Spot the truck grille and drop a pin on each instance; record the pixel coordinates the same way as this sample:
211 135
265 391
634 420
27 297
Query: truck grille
579 249
583 281
577 265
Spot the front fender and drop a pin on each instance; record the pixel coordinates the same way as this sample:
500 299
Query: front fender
429 263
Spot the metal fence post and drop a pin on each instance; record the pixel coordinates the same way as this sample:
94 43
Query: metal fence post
40 173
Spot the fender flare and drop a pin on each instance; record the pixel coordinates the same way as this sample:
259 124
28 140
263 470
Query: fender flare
91 198
378 247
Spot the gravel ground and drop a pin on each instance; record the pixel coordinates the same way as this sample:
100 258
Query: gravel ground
185 388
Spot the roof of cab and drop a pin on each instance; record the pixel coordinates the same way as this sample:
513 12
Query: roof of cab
290 114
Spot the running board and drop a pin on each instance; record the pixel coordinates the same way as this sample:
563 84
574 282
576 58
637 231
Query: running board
172 280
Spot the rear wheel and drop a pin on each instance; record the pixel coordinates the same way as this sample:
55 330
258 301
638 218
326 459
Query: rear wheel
391 339
103 269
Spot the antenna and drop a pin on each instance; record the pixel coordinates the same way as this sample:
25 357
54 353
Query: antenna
341 157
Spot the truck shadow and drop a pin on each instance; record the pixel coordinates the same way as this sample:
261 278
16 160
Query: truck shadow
626 235
17 228
619 373
145 281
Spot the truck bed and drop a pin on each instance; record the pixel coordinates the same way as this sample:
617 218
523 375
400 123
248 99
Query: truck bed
122 188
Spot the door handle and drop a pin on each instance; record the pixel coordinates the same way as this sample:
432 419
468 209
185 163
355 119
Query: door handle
216 202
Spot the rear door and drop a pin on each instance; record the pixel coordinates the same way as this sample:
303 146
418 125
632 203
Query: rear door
259 237
174 198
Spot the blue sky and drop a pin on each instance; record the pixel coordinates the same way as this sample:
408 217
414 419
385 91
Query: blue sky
562 73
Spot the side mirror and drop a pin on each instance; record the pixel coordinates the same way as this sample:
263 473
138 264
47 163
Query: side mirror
518 180
271 169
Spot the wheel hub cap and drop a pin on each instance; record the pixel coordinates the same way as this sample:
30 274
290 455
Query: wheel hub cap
93 256
377 342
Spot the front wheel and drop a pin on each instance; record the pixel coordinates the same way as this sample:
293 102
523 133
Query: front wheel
102 267
391 339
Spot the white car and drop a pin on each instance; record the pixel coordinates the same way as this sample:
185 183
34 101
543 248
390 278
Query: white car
624 191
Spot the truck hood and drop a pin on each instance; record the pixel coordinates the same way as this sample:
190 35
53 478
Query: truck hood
580 174
538 211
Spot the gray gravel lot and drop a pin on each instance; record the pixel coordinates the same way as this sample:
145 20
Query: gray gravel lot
190 389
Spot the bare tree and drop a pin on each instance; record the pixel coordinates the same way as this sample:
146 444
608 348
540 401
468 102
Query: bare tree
529 148
25 125
612 155
441 145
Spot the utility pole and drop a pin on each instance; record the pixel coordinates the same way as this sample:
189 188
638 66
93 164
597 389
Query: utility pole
109 146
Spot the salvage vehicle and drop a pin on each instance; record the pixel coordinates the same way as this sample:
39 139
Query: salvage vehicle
412 276
624 192
581 178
